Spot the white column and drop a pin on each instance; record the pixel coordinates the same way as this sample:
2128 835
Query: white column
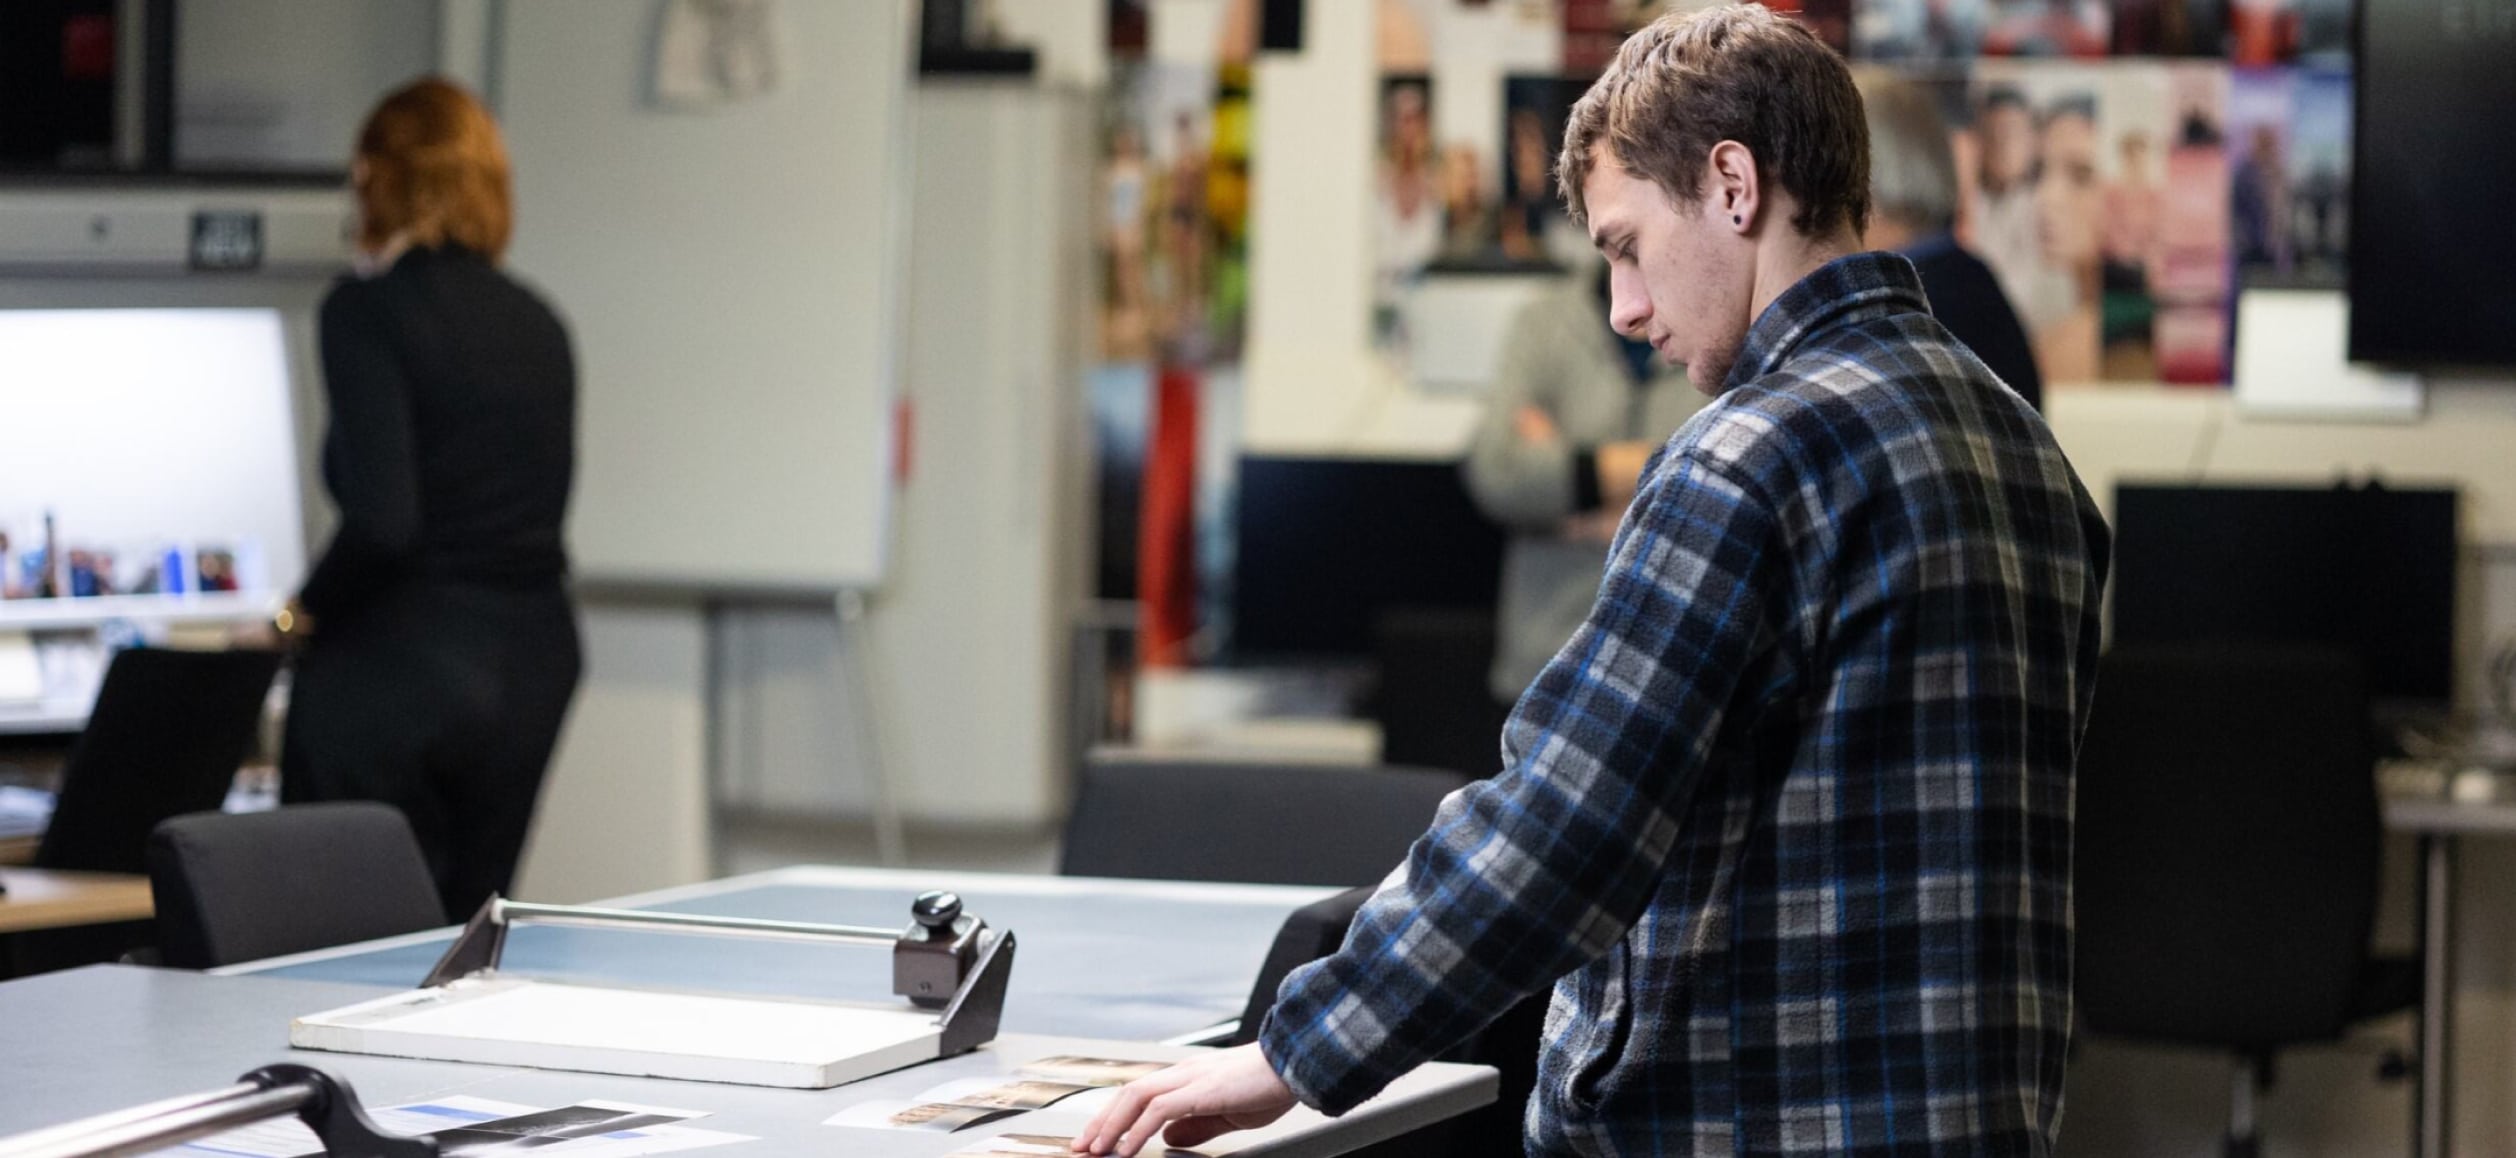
1312 376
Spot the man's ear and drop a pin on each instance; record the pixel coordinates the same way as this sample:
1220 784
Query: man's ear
1731 189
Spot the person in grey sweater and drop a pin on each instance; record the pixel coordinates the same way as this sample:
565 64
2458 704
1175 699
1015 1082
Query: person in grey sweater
1575 412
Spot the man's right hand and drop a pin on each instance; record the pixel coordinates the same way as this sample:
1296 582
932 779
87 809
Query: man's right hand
1533 426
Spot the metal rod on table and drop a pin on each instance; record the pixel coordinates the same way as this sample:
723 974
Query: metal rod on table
161 1124
737 926
10 1145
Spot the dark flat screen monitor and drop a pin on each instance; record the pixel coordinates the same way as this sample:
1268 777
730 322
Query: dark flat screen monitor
2371 570
2432 232
1324 546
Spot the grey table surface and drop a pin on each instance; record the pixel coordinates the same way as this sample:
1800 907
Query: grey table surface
105 1037
1128 960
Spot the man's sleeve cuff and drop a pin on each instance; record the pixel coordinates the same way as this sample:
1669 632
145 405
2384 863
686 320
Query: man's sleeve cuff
1284 1058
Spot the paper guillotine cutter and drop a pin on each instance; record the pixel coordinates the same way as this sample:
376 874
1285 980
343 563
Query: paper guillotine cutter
949 965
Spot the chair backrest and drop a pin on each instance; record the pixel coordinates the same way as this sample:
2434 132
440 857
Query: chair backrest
1264 823
251 885
166 735
1433 703
2228 835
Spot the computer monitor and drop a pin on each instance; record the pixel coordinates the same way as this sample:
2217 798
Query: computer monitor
1324 546
2371 570
2432 256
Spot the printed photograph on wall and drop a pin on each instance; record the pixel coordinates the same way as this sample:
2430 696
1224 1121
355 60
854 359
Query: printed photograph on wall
2036 215
2097 193
1406 201
1533 226
2289 176
2194 267
2081 28
1917 30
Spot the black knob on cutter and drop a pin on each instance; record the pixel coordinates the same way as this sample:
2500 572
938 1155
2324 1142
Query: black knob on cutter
936 910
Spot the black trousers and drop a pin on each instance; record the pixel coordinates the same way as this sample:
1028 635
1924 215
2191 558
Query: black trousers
444 701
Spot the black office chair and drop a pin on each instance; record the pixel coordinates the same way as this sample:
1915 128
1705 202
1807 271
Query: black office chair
243 887
1301 825
1286 824
2228 833
165 737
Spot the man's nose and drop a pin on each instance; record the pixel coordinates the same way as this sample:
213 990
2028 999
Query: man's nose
1627 311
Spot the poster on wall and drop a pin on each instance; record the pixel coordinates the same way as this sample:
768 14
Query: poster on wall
2193 275
2289 175
1408 217
2097 193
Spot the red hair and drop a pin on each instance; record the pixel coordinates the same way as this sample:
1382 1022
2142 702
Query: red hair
435 171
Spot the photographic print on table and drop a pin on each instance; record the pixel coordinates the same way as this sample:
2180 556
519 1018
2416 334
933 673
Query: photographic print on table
945 1117
552 1127
1015 1094
1091 1071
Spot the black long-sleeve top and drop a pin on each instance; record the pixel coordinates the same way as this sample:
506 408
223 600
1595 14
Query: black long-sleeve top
451 444
1966 297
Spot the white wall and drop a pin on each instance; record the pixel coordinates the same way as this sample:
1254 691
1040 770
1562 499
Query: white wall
1070 36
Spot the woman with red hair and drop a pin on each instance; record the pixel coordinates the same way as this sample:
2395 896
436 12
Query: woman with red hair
439 646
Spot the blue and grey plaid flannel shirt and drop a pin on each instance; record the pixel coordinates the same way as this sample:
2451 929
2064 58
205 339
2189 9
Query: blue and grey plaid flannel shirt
1787 824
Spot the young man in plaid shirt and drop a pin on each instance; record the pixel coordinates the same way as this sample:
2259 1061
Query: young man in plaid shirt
1787 823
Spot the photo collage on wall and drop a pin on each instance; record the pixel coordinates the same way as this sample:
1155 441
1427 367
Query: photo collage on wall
2126 166
1173 212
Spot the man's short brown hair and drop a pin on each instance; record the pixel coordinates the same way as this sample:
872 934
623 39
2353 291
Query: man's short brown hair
1738 72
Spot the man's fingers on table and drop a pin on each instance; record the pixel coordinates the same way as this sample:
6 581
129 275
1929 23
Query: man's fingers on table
1163 1110
1114 1119
1198 1128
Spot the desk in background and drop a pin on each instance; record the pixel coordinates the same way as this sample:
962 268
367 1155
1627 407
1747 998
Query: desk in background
43 899
2426 802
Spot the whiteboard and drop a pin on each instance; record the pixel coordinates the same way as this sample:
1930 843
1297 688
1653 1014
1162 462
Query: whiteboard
730 279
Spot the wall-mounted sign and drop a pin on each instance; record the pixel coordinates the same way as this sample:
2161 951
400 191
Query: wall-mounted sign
227 239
